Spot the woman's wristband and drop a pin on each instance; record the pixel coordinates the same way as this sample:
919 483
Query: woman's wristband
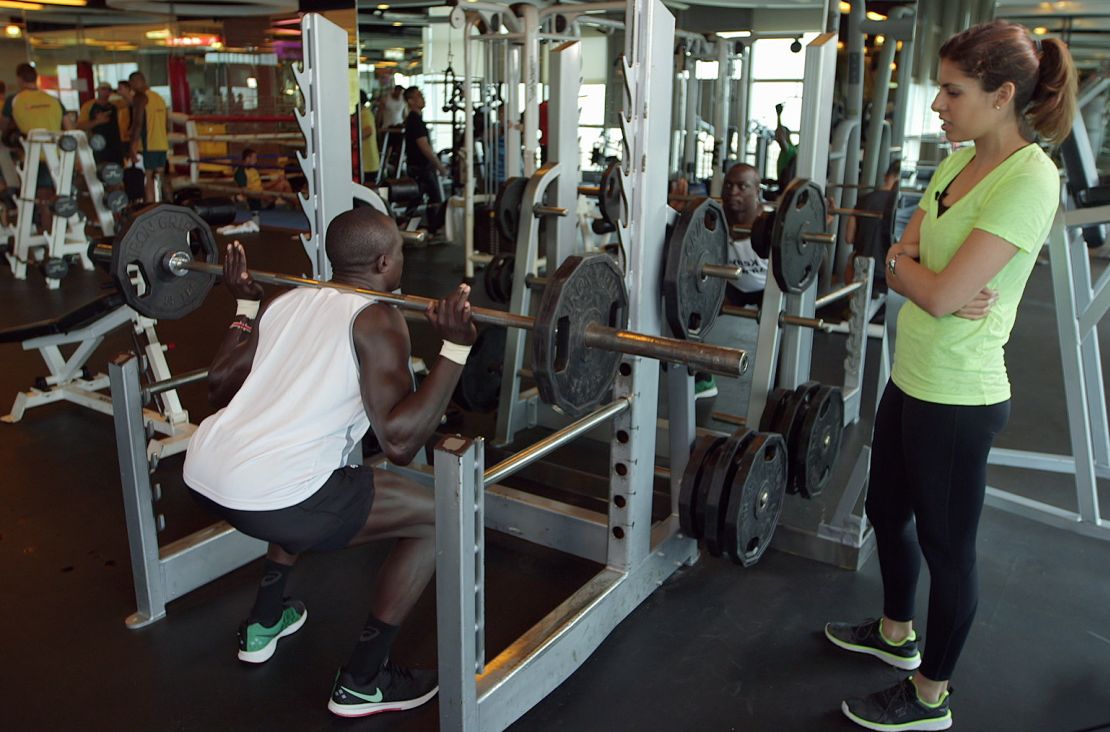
455 352
247 307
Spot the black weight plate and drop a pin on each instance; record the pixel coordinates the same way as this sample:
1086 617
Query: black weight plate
786 423
570 375
610 194
67 143
756 497
801 211
97 143
771 409
110 174
64 206
499 278
688 487
719 488
187 196
507 208
761 234
145 240
790 422
505 277
116 201
489 279
705 480
819 440
479 387
692 301
54 268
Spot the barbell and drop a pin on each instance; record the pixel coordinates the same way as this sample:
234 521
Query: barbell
164 262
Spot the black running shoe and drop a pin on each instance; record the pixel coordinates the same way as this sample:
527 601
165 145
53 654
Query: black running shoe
898 708
866 638
394 689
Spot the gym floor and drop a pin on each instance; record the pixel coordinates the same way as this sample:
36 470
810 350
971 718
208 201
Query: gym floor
715 648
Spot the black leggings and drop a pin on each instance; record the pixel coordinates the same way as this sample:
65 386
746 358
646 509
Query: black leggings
929 462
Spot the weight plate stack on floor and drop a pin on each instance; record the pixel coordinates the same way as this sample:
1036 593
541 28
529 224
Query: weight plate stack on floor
758 487
818 440
719 488
688 490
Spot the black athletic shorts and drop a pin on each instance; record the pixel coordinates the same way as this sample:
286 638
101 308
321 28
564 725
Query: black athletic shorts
328 519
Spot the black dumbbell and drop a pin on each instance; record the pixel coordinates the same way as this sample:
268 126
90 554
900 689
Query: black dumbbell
54 268
110 174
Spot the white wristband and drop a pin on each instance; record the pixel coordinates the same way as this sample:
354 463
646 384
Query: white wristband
247 307
455 352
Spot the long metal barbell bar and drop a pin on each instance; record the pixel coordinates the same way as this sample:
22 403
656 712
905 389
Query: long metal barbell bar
861 212
812 237
720 271
700 356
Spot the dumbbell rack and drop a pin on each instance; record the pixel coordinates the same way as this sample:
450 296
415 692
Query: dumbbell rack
65 237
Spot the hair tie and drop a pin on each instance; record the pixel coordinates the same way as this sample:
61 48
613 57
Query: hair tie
1037 45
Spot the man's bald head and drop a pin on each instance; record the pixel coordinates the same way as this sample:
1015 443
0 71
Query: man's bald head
356 239
740 195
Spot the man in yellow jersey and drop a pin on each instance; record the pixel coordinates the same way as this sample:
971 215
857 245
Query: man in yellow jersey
149 130
33 109
250 181
99 116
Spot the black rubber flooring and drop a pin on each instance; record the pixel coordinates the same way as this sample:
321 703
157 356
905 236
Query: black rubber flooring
716 648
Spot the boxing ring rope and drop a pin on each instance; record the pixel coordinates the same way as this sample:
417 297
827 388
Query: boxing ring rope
192 136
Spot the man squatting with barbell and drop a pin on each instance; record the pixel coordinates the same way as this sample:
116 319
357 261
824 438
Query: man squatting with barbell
298 380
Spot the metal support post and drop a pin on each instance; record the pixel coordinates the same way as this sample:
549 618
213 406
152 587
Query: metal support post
326 160
564 75
459 465
138 497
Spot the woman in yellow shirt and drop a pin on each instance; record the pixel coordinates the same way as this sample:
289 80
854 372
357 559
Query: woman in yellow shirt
962 264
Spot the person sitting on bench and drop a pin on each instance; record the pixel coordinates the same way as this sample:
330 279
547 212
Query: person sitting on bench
248 179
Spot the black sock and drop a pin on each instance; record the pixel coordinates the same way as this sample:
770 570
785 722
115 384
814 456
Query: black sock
371 650
268 604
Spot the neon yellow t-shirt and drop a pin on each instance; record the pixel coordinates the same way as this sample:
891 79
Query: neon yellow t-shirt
950 360
34 109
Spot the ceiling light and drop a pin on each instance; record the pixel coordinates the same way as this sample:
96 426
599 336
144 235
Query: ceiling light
1040 30
71 3
13 31
14 5
252 83
879 41
735 34
158 34
397 24
845 7
383 6
872 15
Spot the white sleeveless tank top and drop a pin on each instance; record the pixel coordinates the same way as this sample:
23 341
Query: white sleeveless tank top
297 416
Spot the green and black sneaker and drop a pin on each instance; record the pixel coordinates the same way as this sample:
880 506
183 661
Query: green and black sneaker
867 638
394 689
900 709
258 642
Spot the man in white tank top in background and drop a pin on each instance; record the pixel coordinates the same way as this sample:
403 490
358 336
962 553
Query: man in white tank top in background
298 381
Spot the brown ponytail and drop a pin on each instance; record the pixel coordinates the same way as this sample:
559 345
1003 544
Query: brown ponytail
1052 104
1044 78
